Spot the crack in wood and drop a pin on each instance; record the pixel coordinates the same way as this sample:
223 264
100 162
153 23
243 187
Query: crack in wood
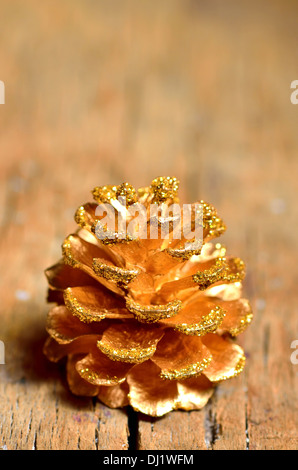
246 429
34 446
133 429
213 429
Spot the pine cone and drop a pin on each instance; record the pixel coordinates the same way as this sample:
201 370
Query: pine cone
147 322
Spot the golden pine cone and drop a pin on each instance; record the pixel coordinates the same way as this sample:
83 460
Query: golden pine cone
146 322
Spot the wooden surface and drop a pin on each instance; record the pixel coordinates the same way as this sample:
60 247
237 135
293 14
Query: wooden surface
110 91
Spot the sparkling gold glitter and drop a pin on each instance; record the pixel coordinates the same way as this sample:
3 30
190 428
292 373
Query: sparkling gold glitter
239 274
192 370
67 253
187 251
212 275
59 337
112 273
211 222
85 214
164 188
208 324
153 313
221 249
221 271
86 315
80 216
132 354
233 372
108 237
104 194
128 192
92 377
244 322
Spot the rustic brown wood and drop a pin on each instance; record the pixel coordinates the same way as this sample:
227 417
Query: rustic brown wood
103 92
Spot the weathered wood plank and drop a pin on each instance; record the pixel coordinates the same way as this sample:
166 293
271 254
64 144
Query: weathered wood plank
173 431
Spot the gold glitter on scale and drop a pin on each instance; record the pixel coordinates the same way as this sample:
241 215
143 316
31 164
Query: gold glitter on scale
108 237
164 189
126 192
112 273
211 221
67 253
185 373
221 271
233 372
133 354
244 322
93 377
123 192
210 276
186 252
84 314
153 313
104 194
208 324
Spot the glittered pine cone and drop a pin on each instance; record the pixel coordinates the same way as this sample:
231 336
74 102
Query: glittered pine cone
147 321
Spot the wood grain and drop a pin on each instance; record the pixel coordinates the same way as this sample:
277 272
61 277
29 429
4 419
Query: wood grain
111 91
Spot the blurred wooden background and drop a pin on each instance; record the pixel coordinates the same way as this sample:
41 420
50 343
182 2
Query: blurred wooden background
107 91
